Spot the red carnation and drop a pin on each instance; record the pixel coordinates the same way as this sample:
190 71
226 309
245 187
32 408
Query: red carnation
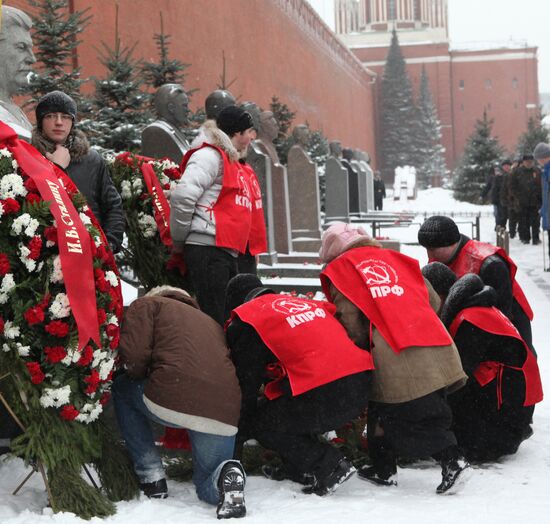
166 187
35 246
93 382
45 301
1 325
173 173
86 357
104 398
34 315
101 283
4 264
69 412
101 316
55 354
30 185
338 440
50 233
57 328
33 198
10 205
37 376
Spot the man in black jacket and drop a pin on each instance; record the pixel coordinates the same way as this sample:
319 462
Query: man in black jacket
56 137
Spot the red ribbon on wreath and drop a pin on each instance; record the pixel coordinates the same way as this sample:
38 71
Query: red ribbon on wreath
74 241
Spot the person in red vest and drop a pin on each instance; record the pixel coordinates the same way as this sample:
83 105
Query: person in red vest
444 243
300 376
211 207
492 414
385 305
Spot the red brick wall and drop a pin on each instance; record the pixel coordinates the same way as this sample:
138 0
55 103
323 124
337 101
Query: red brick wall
280 47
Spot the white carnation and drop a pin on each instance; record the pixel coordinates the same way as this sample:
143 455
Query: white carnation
167 164
56 275
1 209
137 184
55 397
5 152
60 307
11 186
112 320
110 276
11 331
147 225
6 287
89 412
125 190
99 356
85 219
23 351
29 263
105 368
5 348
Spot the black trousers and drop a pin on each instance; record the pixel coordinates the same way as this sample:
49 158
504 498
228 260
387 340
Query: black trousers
419 428
210 269
529 224
512 222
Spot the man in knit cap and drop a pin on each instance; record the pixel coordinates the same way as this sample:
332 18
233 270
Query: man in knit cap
211 213
444 243
57 138
542 156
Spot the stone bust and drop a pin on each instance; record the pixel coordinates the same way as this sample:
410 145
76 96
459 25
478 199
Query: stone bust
268 131
216 101
254 112
15 65
165 136
335 148
300 135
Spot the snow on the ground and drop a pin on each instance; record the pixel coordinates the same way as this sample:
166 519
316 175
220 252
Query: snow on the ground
515 489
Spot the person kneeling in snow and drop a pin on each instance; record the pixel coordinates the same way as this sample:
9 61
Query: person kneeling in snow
177 364
315 379
385 305
492 414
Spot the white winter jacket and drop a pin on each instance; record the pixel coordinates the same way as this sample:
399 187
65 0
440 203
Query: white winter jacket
191 217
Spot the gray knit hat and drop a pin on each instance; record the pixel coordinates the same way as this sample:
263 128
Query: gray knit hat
55 102
438 231
541 151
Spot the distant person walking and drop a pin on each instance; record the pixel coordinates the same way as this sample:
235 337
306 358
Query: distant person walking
379 191
542 155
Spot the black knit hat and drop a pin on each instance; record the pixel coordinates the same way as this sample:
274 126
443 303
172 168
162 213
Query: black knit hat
234 119
438 231
55 102
240 287
440 276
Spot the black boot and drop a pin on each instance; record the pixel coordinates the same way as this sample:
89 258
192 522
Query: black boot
155 490
323 486
455 470
384 468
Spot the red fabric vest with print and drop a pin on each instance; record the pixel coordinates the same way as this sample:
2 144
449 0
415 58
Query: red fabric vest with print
312 347
492 320
233 208
471 258
389 289
257 242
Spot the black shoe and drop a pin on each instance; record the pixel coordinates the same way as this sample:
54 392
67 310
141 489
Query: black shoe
454 473
231 488
369 473
155 490
536 241
342 472
280 473
512 235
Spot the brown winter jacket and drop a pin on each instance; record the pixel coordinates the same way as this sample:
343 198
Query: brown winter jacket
191 379
411 374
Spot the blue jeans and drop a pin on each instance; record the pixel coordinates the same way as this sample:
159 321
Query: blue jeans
209 452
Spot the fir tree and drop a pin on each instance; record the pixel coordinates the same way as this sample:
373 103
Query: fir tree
535 133
119 105
398 114
166 70
481 153
284 117
430 153
55 36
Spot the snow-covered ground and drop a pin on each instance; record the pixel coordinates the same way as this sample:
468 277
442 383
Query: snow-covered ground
516 489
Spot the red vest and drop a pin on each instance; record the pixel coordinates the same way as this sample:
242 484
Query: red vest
492 320
389 289
312 346
233 208
257 242
471 258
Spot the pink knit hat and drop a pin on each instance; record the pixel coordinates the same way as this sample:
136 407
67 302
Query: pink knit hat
337 238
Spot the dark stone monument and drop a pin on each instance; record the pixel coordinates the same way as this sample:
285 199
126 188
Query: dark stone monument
361 182
353 182
365 161
303 184
336 186
216 101
16 59
165 136
263 158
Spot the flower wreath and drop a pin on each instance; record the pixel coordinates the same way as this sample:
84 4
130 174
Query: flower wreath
142 182
60 308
